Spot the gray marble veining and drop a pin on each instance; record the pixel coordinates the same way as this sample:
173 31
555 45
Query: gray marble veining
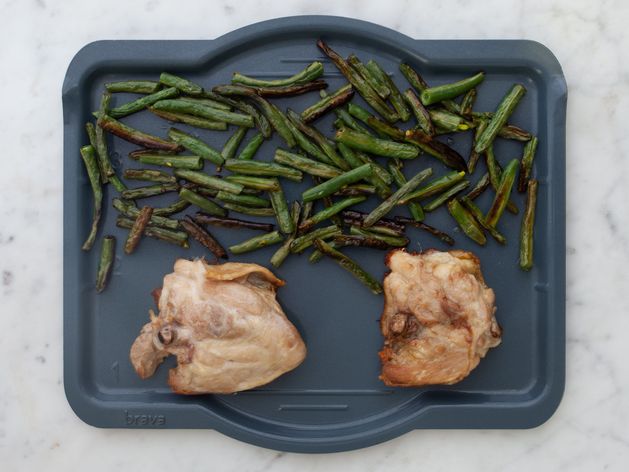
37 428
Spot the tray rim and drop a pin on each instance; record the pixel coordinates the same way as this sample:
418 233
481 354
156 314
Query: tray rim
88 406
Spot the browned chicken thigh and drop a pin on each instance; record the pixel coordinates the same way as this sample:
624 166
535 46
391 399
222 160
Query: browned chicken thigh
438 319
225 326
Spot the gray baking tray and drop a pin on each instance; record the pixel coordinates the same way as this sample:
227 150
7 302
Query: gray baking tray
334 400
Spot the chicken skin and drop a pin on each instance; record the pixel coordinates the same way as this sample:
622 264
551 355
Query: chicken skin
225 326
438 319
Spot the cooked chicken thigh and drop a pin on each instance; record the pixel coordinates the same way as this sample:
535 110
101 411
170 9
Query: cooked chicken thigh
225 326
438 319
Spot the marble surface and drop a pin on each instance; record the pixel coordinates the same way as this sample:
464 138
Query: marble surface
38 431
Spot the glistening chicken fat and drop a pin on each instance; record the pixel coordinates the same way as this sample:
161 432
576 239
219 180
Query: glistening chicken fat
438 319
225 326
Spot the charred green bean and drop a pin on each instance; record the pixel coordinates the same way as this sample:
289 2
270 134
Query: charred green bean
350 265
437 94
528 222
105 262
93 173
466 222
204 237
526 164
502 114
502 193
187 87
133 86
257 242
263 169
206 205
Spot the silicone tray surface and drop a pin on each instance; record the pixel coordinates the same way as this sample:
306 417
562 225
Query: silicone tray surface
334 400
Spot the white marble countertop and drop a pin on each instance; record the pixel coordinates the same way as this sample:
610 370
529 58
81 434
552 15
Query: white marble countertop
38 430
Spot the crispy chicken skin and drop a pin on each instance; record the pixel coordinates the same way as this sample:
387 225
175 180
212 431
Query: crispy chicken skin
225 326
438 319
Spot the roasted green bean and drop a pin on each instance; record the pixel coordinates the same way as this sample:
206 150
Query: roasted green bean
350 265
137 229
283 251
421 114
257 242
182 84
204 237
482 185
177 162
196 146
376 83
445 196
209 181
203 111
475 156
449 122
434 187
395 96
131 211
261 122
133 86
149 191
257 183
305 165
127 133
302 243
514 132
334 100
332 210
250 149
528 222
206 205
263 169
105 262
224 222
380 147
360 84
244 200
310 73
467 103
478 216
330 186
93 173
430 229
354 160
414 208
387 205
526 164
291 90
282 215
247 210
209 102
175 237
149 175
495 173
175 207
437 94
502 114
190 120
328 149
466 222
143 102
391 238
436 148
502 193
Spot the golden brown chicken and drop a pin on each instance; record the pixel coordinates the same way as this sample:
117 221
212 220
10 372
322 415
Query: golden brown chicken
438 319
225 326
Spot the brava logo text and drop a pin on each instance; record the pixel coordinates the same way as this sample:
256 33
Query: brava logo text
144 420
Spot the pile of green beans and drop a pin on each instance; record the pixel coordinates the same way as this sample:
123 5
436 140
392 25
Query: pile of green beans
363 161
